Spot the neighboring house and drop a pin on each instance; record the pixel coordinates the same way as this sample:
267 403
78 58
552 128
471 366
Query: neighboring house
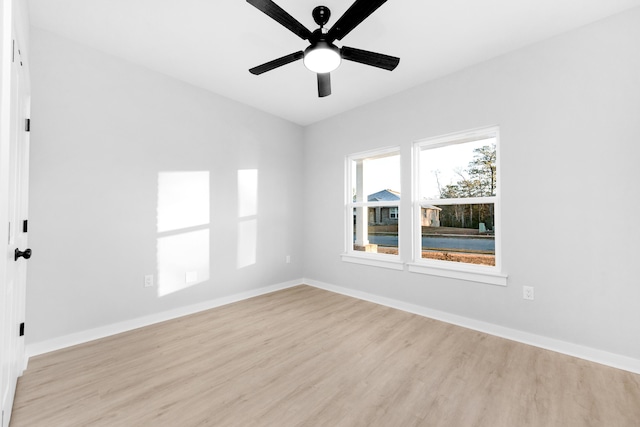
430 216
382 215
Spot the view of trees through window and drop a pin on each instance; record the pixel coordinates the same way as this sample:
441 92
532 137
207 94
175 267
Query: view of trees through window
455 202
458 187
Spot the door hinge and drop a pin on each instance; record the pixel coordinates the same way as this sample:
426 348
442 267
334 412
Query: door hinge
27 125
22 329
25 225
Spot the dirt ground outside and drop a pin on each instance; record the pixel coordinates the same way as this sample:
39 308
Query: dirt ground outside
477 259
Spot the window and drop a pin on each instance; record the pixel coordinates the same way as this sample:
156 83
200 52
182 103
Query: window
457 206
372 208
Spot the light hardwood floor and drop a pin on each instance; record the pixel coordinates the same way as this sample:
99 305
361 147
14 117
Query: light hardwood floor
308 357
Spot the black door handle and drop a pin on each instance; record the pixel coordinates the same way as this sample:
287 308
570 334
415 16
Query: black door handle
26 254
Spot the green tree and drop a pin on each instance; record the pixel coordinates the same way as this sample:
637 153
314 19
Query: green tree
482 171
478 180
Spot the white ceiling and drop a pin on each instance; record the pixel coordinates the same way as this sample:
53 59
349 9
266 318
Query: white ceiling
213 43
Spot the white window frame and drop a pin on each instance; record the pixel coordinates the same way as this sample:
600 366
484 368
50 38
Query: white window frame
463 271
360 257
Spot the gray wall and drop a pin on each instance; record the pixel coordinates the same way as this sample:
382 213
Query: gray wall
103 130
568 109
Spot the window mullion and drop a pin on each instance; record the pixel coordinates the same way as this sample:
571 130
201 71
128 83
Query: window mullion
459 201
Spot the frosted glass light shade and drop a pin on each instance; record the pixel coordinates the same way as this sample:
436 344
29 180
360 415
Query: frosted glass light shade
322 58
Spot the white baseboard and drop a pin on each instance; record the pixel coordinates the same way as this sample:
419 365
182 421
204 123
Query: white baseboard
82 337
575 350
582 352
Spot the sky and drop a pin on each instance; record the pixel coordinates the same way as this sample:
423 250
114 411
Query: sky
446 161
384 173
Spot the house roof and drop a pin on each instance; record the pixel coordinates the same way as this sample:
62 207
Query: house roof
431 207
384 196
390 195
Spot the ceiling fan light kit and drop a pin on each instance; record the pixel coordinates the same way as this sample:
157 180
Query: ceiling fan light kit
322 56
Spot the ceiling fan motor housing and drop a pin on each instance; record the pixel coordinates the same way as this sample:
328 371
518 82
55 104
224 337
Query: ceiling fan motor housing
321 15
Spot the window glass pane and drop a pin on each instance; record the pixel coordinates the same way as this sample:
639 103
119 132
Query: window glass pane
459 233
376 179
459 170
382 230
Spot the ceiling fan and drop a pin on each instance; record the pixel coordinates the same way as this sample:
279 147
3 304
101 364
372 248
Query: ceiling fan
322 56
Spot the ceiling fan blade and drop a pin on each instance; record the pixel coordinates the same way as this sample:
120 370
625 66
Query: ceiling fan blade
324 84
282 17
358 12
370 58
277 63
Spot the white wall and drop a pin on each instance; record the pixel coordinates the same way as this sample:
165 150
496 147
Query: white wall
568 110
103 130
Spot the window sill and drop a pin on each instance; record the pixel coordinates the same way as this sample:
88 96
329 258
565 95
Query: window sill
383 261
388 261
489 277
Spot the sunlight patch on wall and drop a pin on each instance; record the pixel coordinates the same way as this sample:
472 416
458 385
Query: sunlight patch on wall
247 241
247 192
183 200
183 261
183 230
247 217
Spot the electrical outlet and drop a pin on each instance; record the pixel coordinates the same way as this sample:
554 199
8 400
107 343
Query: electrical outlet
148 280
527 292
287 259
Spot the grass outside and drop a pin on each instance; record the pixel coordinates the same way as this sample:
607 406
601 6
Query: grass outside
478 259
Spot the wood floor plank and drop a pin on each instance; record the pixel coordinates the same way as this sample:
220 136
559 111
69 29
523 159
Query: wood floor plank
308 357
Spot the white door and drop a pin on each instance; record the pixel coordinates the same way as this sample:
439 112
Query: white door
12 304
